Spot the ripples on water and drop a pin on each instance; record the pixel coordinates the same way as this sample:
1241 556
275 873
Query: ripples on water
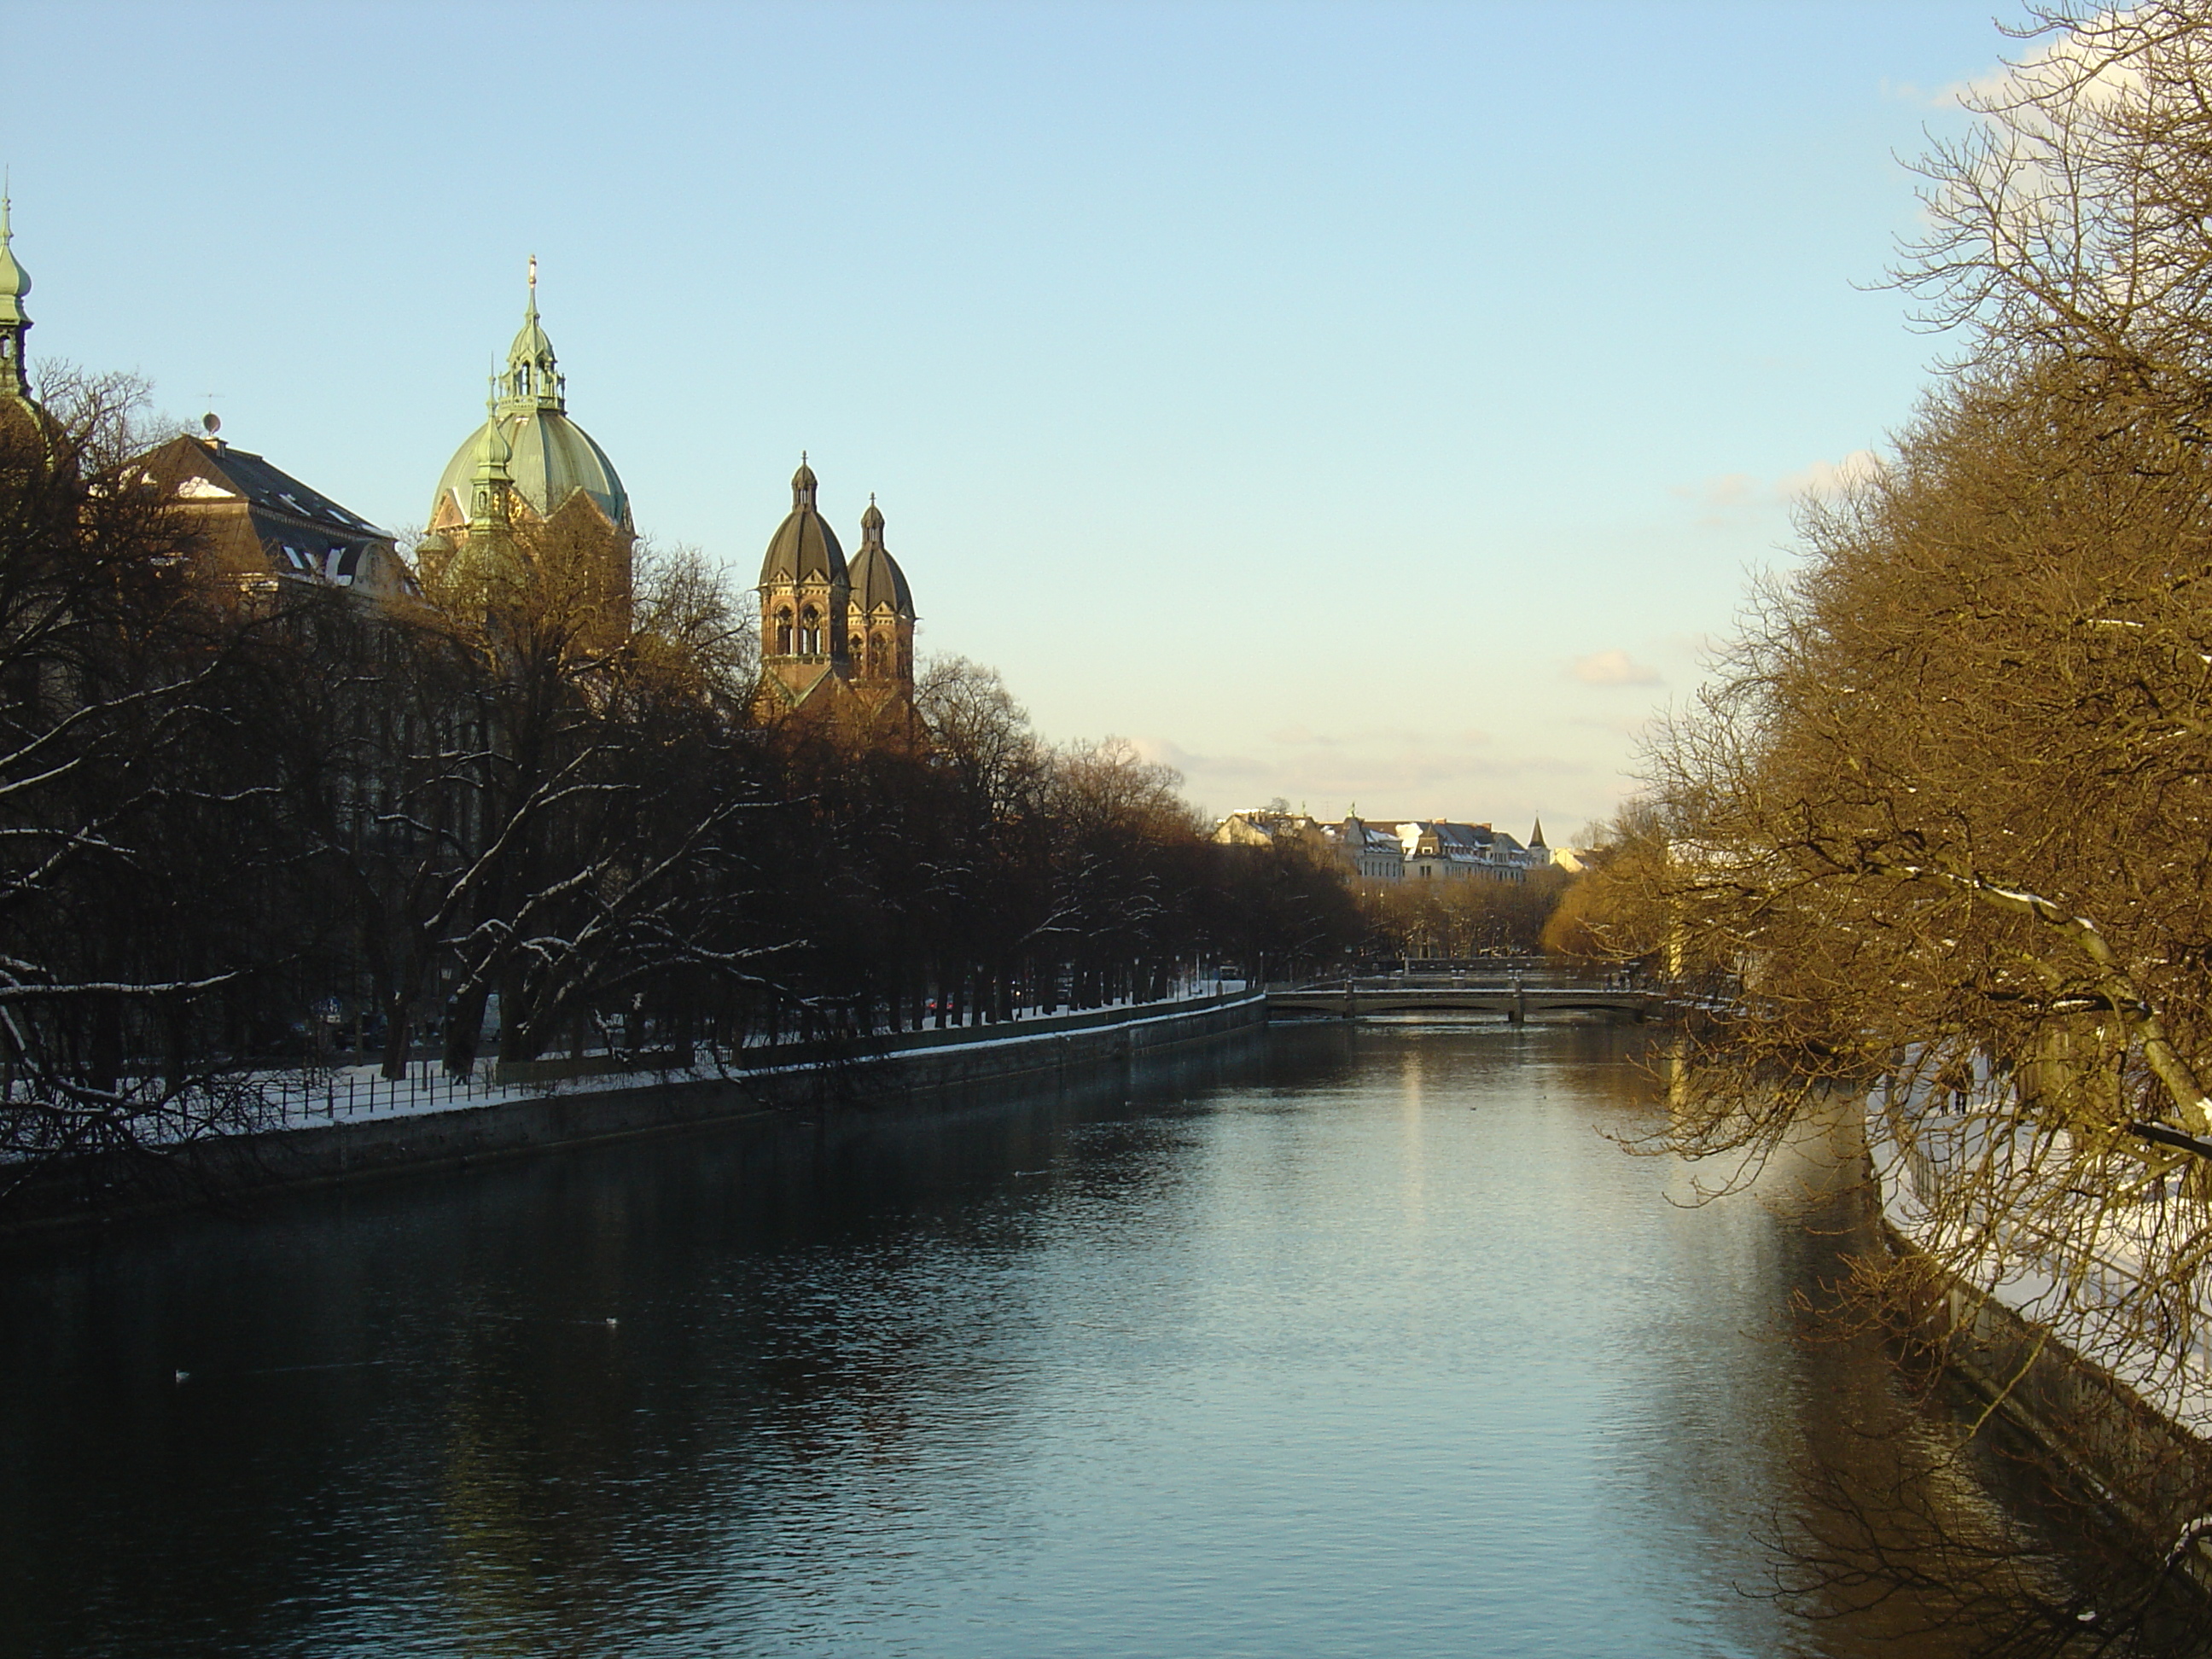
1344 1343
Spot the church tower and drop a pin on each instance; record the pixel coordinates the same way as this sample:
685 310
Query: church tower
14 321
880 626
806 596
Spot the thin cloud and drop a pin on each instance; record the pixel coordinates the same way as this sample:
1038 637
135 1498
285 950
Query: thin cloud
1724 498
1613 668
1826 480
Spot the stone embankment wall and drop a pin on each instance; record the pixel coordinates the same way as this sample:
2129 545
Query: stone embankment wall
886 1073
2150 1473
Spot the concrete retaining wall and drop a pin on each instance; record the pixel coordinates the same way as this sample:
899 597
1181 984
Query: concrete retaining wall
914 1070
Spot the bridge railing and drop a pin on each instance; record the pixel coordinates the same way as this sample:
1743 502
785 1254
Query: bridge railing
1489 977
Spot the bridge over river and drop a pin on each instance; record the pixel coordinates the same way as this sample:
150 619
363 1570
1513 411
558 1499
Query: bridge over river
1514 998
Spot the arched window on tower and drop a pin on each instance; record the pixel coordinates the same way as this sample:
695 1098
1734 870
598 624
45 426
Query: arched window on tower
857 649
810 632
783 633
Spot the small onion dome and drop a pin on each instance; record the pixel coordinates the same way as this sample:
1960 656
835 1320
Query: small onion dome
877 579
803 547
14 281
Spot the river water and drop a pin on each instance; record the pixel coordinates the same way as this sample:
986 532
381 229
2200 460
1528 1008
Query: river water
1342 1342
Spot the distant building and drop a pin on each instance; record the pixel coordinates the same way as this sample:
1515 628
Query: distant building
1267 826
1438 850
1372 852
1423 849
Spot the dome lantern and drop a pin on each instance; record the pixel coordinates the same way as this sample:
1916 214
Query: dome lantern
533 377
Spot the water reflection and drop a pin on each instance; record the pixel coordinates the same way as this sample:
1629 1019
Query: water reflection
1348 1343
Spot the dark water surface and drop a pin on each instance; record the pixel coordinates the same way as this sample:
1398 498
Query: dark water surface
1339 1345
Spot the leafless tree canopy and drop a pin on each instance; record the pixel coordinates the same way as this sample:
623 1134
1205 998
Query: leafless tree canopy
1936 834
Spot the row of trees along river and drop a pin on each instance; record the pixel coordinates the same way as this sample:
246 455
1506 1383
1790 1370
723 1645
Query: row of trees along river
1940 824
239 824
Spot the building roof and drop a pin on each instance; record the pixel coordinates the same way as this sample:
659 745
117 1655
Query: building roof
803 547
295 530
877 579
1442 838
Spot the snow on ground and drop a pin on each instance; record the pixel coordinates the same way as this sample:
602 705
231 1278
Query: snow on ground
350 1094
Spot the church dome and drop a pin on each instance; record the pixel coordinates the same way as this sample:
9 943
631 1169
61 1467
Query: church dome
876 577
804 546
549 456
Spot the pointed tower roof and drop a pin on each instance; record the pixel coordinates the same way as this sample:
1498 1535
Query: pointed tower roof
1537 835
877 579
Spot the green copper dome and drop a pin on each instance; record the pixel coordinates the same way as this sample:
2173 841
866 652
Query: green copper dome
14 281
550 457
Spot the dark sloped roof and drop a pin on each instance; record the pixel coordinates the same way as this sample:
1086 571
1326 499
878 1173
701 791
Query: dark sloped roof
804 546
877 580
272 490
300 531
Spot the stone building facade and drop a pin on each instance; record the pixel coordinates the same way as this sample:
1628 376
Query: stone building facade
837 639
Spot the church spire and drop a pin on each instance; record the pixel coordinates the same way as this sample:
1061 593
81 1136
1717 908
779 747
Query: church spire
533 379
14 321
804 485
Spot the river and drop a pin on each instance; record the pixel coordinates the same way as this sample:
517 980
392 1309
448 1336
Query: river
1335 1342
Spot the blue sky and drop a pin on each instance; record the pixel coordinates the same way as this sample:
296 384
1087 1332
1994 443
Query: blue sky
1371 403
